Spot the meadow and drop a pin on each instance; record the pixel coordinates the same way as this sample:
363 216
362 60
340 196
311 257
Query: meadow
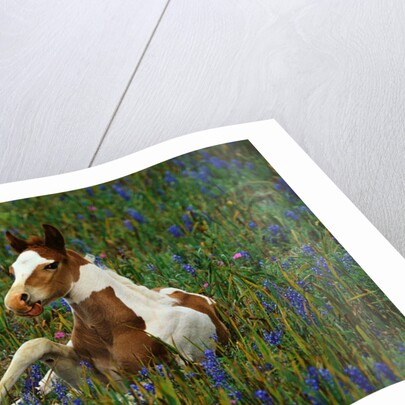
308 325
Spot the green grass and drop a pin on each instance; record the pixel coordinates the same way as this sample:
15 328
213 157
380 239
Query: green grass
307 323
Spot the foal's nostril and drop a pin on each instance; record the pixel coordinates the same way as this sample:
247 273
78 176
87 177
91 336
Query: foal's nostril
24 297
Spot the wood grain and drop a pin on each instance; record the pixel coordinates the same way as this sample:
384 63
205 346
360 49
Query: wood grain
63 68
330 72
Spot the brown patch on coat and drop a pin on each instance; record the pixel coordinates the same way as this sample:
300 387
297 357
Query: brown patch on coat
55 284
111 335
200 304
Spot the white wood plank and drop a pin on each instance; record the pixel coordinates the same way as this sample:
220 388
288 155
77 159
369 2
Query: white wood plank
64 66
330 72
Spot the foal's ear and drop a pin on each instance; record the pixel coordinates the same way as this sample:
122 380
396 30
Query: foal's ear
54 239
19 245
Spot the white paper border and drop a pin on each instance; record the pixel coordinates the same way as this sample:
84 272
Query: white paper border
349 226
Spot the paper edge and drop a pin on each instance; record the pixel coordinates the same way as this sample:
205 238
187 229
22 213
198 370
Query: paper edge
347 223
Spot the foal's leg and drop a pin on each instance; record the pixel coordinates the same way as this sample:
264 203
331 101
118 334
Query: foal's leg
46 385
61 358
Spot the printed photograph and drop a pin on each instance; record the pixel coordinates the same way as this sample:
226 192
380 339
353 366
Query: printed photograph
201 280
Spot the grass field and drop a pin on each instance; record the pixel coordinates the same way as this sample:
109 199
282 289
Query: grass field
308 325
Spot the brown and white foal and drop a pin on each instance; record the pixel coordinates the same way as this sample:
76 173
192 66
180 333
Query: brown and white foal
116 322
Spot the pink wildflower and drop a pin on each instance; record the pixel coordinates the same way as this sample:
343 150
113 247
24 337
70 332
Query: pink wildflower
59 335
237 256
103 255
220 263
205 285
91 208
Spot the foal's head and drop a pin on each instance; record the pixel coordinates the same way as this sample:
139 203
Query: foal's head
44 271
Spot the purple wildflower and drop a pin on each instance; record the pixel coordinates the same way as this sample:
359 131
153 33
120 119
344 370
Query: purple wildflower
136 215
177 259
189 268
383 371
308 250
169 178
291 215
263 397
359 379
121 192
90 191
273 337
128 224
214 370
175 231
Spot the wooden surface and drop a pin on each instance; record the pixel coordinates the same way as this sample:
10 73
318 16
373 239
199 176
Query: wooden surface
82 83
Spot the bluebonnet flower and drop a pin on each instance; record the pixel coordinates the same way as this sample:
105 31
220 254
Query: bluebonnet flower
303 209
312 379
151 267
252 224
178 162
299 304
249 165
188 223
359 379
348 261
9 250
273 337
291 214
295 300
80 216
90 191
214 370
268 306
102 187
263 397
85 364
237 163
128 224
189 268
29 399
169 178
308 250
60 390
77 401
138 393
149 387
98 261
144 372
326 308
34 377
175 231
218 163
136 215
160 370
121 192
204 154
326 375
383 371
303 284
274 229
177 259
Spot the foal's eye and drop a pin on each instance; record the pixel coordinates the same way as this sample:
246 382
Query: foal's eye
52 266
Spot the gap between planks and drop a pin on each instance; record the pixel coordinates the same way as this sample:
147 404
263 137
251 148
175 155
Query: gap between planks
129 84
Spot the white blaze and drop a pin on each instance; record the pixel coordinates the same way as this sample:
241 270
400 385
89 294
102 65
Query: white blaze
25 264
